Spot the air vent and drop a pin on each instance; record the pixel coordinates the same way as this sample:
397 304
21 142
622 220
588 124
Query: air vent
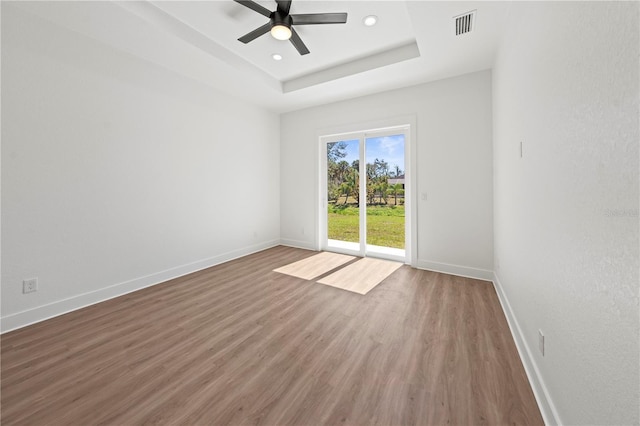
465 22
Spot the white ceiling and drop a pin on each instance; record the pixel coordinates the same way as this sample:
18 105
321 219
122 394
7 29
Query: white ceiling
413 42
334 44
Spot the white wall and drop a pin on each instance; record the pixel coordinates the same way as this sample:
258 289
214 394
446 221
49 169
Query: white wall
566 214
454 167
117 174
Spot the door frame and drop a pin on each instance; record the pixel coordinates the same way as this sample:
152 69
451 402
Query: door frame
405 125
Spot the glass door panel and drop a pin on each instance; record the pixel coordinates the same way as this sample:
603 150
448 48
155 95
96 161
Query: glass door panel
343 194
385 183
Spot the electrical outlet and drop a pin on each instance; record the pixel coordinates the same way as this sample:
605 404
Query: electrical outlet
541 342
30 285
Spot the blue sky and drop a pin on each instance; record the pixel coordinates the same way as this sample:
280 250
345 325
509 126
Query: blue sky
388 148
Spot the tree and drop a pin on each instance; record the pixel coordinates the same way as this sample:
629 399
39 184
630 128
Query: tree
335 169
381 168
396 172
345 189
371 194
336 151
342 170
383 187
395 190
353 180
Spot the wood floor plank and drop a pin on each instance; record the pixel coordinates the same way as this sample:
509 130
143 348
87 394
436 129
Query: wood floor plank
315 266
241 344
361 276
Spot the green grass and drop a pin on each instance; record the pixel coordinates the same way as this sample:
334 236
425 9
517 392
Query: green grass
385 224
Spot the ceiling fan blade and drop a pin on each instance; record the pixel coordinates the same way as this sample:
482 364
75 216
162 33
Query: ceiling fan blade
319 18
256 33
284 6
297 43
255 7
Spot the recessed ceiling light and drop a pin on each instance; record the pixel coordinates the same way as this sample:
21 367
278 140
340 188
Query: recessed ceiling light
276 57
370 20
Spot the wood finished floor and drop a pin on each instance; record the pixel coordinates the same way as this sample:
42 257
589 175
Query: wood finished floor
241 344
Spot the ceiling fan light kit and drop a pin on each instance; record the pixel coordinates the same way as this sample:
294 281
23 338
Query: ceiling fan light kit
281 23
281 32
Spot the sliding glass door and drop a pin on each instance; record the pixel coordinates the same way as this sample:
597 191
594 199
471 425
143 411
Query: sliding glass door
364 193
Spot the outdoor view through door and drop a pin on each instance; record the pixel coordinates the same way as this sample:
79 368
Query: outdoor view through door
368 171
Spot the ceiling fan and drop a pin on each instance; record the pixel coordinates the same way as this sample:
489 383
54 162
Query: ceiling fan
281 22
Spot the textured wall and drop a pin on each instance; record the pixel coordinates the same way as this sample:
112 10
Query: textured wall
566 213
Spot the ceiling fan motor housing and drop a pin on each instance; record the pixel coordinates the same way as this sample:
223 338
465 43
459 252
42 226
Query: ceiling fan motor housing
278 18
281 23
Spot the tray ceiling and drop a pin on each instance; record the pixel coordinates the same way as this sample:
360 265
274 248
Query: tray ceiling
413 42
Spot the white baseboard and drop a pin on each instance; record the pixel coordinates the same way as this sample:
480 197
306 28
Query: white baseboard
59 307
547 408
461 271
298 244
